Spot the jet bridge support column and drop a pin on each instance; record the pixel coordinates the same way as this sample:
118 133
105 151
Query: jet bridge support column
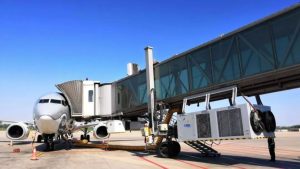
150 84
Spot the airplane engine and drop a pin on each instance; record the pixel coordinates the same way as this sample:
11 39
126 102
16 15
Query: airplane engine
17 131
100 131
104 128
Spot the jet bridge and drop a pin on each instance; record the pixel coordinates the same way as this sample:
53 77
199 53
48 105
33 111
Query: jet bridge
259 58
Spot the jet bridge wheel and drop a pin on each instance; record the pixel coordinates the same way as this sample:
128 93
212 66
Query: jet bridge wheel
256 121
168 149
269 121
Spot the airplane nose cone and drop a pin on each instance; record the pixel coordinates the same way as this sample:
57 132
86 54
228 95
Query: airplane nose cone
47 125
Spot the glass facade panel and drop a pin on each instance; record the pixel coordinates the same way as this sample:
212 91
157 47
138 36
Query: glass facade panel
268 46
256 50
225 61
131 92
91 95
171 79
200 66
287 39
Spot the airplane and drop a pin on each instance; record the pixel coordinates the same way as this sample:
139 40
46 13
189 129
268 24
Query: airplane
52 119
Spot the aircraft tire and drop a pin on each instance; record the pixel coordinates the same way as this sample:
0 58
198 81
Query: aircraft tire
256 122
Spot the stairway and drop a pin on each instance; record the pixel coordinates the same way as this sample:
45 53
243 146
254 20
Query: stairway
203 148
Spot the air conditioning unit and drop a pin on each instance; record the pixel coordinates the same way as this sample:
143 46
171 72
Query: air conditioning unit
232 122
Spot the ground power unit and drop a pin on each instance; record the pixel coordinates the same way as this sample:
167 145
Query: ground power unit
232 122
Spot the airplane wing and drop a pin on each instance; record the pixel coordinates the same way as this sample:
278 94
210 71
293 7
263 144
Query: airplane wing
11 122
78 126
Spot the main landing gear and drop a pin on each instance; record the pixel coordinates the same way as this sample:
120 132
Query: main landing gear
85 136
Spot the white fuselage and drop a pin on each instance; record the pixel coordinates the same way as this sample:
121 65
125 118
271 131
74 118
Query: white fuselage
51 114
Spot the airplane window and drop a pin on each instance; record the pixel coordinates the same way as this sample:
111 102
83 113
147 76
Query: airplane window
55 101
44 101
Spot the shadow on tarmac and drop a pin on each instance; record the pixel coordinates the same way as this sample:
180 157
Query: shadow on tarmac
228 160
223 160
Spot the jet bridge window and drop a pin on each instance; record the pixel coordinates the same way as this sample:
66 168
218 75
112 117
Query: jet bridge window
44 101
55 101
91 93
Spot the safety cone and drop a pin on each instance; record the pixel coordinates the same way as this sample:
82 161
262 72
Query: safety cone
34 157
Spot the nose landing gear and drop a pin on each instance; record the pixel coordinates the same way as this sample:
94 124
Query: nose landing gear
48 140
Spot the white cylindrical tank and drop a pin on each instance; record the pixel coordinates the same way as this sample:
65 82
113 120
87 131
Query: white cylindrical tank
132 69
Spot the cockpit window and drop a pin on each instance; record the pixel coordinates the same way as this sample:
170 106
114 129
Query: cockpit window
44 101
64 103
55 101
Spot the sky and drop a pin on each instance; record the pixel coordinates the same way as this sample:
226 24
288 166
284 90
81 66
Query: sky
43 43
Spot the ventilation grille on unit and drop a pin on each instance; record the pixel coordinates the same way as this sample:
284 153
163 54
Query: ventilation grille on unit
230 123
203 125
73 92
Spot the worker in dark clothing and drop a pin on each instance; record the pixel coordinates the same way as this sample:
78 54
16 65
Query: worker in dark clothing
271 145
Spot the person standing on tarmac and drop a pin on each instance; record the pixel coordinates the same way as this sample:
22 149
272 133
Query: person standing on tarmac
271 145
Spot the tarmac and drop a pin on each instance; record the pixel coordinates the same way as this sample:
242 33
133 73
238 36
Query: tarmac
239 154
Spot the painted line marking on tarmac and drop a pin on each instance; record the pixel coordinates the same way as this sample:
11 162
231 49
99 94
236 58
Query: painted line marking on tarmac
152 162
191 164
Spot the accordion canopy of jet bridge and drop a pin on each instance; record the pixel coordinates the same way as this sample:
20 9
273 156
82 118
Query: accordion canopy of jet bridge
259 58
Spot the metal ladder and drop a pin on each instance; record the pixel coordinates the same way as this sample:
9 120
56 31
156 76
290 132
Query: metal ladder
203 148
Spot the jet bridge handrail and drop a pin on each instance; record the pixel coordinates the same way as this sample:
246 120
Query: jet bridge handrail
208 94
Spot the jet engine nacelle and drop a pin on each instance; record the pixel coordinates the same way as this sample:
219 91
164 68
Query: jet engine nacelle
104 128
17 131
100 131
